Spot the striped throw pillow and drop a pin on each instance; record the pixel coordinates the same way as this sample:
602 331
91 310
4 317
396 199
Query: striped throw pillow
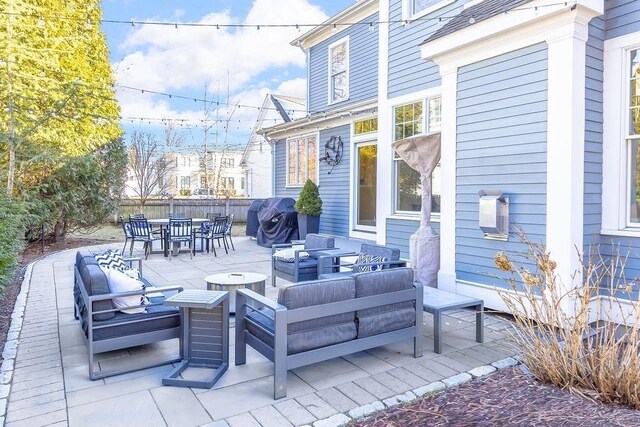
111 259
369 259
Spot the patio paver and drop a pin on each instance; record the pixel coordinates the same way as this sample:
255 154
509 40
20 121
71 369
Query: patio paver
51 386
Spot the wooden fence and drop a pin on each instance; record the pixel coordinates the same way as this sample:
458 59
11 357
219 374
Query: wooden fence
193 208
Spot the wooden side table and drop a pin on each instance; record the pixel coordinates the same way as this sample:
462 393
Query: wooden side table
236 280
205 335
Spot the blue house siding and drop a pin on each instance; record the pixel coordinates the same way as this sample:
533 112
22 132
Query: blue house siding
501 144
334 187
593 134
280 165
400 230
408 72
622 16
363 67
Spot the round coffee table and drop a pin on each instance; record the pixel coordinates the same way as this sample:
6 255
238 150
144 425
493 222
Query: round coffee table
235 280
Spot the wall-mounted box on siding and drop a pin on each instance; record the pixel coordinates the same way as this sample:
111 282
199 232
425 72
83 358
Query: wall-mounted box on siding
493 215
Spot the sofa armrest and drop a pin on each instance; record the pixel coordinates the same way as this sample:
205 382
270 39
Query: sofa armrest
245 295
131 260
133 293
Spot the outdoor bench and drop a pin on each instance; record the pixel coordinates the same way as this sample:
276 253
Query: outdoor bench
106 328
319 320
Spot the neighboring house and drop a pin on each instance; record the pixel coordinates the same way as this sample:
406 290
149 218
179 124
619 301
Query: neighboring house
538 99
256 160
224 176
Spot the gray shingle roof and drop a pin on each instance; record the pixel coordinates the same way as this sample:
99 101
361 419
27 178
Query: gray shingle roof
479 12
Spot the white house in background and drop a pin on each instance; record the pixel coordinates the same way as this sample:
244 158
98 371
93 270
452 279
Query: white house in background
256 160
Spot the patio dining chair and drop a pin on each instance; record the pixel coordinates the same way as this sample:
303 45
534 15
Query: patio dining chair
141 232
227 229
180 231
128 234
215 231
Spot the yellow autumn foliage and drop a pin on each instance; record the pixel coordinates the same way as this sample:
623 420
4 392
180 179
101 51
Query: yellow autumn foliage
55 78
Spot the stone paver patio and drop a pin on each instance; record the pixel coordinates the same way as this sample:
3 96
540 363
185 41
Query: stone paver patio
49 382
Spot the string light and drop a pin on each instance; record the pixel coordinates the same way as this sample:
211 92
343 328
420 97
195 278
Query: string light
297 26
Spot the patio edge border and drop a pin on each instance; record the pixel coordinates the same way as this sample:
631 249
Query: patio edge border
10 350
430 389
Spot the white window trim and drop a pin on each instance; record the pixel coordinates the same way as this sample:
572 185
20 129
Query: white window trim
330 100
286 141
407 9
398 102
615 166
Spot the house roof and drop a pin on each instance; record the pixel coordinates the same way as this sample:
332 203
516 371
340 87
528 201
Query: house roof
275 109
484 10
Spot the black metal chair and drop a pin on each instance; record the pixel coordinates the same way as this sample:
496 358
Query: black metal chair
227 229
180 231
216 232
141 231
128 234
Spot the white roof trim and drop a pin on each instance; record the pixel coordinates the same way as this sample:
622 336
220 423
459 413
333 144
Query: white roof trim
356 13
452 46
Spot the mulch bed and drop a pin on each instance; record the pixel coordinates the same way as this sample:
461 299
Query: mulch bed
507 398
32 252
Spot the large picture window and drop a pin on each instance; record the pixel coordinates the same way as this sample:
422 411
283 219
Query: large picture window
339 71
633 137
409 120
302 160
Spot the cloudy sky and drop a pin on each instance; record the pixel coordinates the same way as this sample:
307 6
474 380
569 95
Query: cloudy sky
247 62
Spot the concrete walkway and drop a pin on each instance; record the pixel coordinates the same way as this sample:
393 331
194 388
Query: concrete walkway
49 382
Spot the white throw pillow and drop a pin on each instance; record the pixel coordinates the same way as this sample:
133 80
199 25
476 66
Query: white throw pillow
289 254
121 282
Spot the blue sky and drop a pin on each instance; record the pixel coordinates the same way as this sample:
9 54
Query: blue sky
181 61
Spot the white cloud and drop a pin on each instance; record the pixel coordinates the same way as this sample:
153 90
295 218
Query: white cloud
183 60
166 58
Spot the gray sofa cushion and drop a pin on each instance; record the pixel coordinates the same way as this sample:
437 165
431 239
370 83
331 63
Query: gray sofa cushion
378 320
95 282
260 320
316 241
308 266
306 294
153 322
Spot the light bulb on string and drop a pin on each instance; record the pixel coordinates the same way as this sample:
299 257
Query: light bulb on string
472 20
41 22
89 25
371 26
335 28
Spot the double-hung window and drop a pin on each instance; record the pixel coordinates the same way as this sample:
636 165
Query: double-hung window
339 71
302 159
409 120
633 136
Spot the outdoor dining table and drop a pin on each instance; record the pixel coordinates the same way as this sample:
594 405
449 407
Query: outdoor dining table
163 223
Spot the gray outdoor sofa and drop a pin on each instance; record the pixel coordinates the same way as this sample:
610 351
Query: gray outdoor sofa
319 320
106 328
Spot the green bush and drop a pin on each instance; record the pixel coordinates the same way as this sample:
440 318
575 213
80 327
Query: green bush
309 201
11 238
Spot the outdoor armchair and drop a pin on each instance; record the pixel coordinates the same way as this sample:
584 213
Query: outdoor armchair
300 269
